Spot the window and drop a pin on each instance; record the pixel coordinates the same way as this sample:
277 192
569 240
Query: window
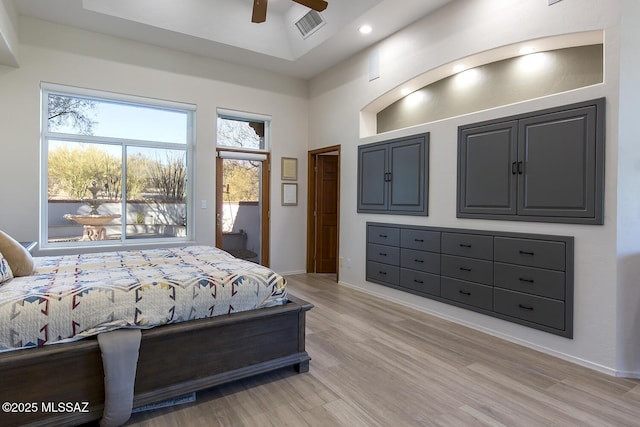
116 168
242 131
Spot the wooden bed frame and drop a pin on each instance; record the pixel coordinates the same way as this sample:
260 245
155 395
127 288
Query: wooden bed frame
174 360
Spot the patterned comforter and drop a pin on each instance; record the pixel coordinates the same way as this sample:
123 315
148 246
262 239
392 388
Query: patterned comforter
74 296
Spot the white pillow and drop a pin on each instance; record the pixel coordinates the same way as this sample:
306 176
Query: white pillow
5 271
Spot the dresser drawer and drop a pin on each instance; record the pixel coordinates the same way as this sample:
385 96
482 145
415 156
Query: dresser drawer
420 240
540 310
418 281
377 272
534 253
419 260
530 280
383 235
480 296
384 254
474 270
468 245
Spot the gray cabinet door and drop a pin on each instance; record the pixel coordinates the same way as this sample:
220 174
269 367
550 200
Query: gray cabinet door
393 176
557 153
541 166
487 169
372 178
407 175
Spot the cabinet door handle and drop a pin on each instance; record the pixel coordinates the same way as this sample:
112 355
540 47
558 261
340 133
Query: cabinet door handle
418 281
527 253
418 260
390 176
384 236
514 168
522 279
526 307
384 273
465 269
418 240
463 245
520 164
382 254
465 292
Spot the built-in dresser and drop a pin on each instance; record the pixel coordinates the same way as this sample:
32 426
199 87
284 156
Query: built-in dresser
523 278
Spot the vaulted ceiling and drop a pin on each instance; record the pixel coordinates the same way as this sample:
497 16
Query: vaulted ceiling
223 29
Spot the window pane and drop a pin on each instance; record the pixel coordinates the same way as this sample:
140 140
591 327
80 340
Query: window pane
241 187
156 192
84 191
241 134
84 116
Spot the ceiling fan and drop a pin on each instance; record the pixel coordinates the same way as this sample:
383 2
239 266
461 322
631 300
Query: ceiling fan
260 8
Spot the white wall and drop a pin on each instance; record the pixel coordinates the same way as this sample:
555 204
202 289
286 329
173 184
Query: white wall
628 192
603 331
62 55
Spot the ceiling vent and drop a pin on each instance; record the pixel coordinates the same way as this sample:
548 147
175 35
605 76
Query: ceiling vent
310 23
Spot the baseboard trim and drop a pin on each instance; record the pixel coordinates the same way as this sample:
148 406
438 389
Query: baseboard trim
291 273
564 356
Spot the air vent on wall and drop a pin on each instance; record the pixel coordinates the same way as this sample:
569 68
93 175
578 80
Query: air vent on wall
309 23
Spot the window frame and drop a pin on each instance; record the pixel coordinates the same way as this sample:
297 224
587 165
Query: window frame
188 147
241 116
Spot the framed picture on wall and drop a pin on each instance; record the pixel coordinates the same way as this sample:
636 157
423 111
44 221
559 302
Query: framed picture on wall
289 194
289 169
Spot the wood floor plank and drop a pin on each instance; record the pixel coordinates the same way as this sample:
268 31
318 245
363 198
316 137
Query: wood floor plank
377 363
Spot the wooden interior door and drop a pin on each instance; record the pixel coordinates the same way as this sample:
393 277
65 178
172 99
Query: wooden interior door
327 214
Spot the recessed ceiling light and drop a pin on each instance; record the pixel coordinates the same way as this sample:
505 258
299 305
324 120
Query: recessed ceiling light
458 68
526 50
365 29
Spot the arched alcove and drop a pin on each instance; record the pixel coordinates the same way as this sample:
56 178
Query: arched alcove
490 79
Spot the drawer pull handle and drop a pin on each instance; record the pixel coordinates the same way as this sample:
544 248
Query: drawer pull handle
462 245
526 307
465 269
418 260
418 240
384 273
522 279
382 254
526 253
418 281
465 293
384 236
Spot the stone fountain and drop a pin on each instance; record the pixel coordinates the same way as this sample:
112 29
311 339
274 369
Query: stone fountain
93 223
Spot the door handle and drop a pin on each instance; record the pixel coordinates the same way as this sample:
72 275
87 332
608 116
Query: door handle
520 164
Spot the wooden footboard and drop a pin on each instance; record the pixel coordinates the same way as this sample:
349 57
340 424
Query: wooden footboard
50 385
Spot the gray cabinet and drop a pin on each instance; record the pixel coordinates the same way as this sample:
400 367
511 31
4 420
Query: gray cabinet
523 278
542 166
393 176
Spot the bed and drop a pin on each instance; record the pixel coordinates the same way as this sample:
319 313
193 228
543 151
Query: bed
206 318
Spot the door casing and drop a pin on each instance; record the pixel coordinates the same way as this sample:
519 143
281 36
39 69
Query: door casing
311 202
264 202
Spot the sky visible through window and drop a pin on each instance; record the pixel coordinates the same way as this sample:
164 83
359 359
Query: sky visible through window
128 121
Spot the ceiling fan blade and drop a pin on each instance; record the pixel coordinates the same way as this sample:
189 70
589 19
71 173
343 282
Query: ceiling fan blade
317 5
259 11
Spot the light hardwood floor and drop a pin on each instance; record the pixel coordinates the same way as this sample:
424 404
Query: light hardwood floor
376 363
